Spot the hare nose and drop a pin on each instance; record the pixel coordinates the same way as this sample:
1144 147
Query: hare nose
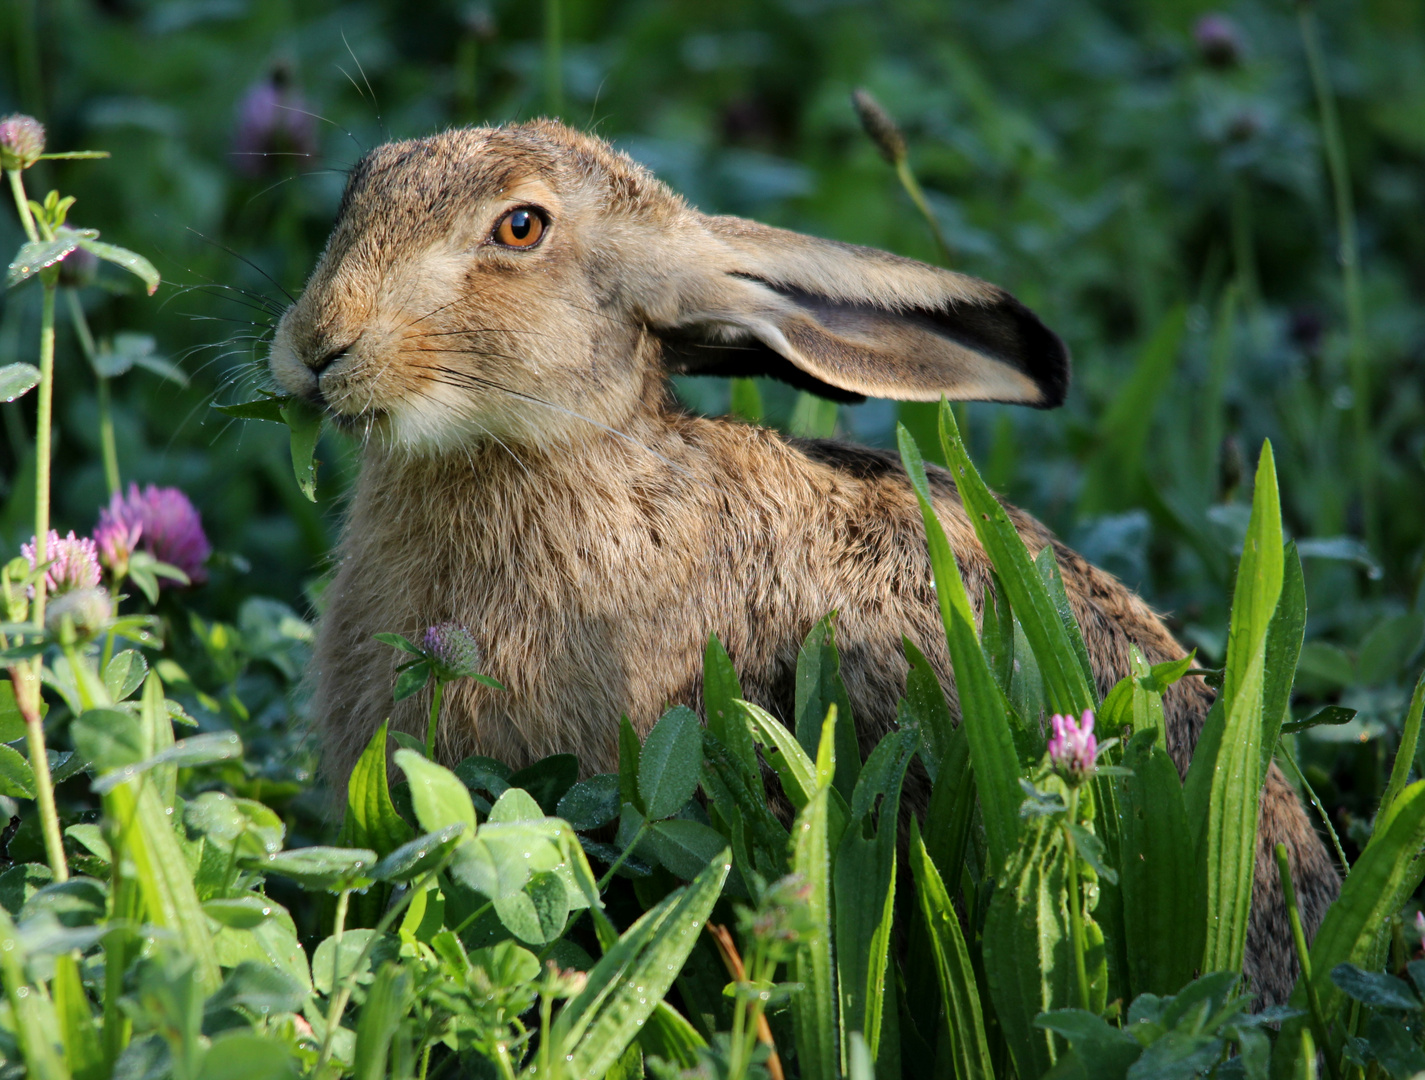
330 358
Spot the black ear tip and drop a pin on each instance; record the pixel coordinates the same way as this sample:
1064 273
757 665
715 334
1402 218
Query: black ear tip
1041 354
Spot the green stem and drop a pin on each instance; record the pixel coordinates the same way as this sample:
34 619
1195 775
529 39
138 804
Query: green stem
44 411
1303 955
340 992
1076 914
425 1061
502 1059
1348 253
22 204
434 723
624 854
107 445
546 1013
26 678
1315 801
917 196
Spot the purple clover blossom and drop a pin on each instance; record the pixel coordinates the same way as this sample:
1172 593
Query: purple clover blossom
164 522
272 123
22 141
451 650
117 538
1073 749
73 562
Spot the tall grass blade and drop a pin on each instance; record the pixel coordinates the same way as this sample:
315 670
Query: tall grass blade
818 688
959 991
983 709
814 1007
1405 752
1068 688
36 1026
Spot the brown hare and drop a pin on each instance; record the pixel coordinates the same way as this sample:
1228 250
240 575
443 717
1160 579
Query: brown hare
495 317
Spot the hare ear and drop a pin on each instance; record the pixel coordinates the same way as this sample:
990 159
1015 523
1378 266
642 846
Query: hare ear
850 322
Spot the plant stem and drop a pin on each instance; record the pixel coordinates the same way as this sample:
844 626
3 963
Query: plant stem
434 723
1348 254
44 411
624 854
339 993
26 679
107 446
1320 809
1303 955
22 204
917 196
1076 914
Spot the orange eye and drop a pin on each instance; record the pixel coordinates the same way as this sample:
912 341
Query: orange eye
520 228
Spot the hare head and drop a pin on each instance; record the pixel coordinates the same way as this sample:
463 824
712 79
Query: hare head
524 283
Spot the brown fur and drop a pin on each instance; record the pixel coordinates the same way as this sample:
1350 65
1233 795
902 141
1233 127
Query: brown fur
527 474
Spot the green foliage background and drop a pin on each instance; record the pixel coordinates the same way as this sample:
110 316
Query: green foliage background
1088 156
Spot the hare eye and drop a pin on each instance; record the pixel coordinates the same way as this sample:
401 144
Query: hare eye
520 228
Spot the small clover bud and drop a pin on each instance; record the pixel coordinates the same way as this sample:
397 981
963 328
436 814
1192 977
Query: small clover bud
84 612
878 124
452 651
1219 41
1073 749
22 141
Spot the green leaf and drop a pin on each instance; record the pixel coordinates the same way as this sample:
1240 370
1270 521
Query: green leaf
411 681
131 261
36 255
437 795
109 738
1405 752
388 999
684 847
82 1053
1135 702
983 709
1069 690
548 779
537 912
419 856
721 693
927 709
964 1016
1102 1052
818 688
668 1035
1328 716
334 961
245 824
17 380
630 749
814 1007
1048 568
591 803
1284 638
17 779
259 989
205 749
1027 954
864 886
34 1022
371 820
306 425
783 753
239 912
1164 913
1354 929
594 1028
1228 846
671 762
264 408
320 867
1376 988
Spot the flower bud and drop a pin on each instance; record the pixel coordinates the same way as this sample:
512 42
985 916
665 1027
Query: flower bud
84 611
22 141
1219 41
1073 750
879 125
452 650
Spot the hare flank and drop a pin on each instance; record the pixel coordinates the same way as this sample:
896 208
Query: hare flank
495 317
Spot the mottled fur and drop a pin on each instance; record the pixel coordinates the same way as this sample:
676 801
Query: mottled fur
527 474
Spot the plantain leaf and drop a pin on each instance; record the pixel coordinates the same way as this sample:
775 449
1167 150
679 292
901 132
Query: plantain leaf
818 688
624 988
964 1016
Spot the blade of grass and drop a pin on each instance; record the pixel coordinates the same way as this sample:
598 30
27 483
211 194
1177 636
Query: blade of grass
983 709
